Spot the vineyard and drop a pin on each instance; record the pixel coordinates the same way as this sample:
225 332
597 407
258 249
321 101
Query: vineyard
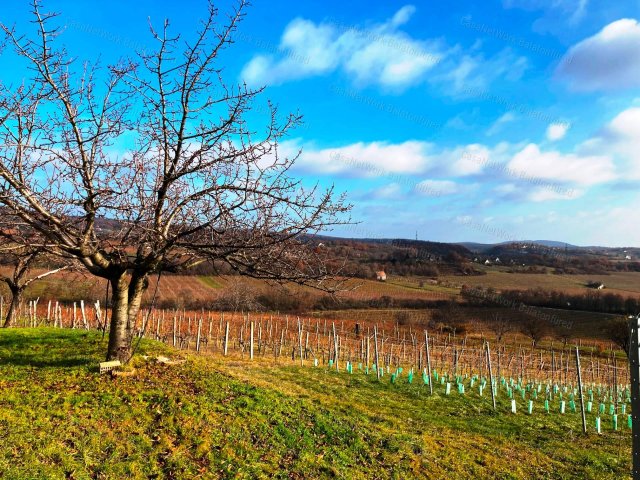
544 378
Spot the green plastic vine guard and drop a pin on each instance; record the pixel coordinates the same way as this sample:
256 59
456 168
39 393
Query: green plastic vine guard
410 377
612 409
562 406
572 406
330 363
315 362
598 424
393 378
513 406
530 407
448 388
629 421
589 406
614 421
481 387
601 409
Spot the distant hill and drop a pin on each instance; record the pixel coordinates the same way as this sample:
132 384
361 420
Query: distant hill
425 258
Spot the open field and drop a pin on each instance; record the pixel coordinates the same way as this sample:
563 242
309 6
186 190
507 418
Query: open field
623 283
215 418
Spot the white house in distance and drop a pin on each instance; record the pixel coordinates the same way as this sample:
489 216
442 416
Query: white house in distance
381 276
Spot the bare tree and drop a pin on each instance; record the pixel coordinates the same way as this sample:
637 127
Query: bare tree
22 257
617 330
564 334
450 318
238 297
195 182
535 329
500 326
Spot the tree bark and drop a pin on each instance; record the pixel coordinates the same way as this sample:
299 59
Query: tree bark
14 306
126 300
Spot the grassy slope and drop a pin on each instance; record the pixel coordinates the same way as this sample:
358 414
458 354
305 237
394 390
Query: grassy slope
208 419
622 283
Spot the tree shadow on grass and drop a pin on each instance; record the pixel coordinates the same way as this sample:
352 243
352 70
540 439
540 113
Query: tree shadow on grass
48 350
36 361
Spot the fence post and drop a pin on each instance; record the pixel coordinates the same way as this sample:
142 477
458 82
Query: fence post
375 344
634 377
493 393
335 345
251 342
84 317
584 420
226 339
198 334
426 343
300 342
175 321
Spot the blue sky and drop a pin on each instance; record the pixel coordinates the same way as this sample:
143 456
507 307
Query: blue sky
461 121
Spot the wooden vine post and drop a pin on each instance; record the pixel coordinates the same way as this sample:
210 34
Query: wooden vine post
426 344
375 345
300 342
335 346
199 334
493 393
584 419
634 377
251 342
226 339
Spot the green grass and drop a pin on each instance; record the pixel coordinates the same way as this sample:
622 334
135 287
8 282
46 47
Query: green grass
210 418
210 282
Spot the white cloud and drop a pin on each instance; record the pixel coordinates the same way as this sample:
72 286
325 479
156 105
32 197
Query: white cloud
377 159
557 131
535 191
532 163
400 160
465 75
392 191
620 137
436 188
363 160
609 60
380 54
557 13
543 194
496 127
402 16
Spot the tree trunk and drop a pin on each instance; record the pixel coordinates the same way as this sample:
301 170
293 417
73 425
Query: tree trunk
14 306
126 299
